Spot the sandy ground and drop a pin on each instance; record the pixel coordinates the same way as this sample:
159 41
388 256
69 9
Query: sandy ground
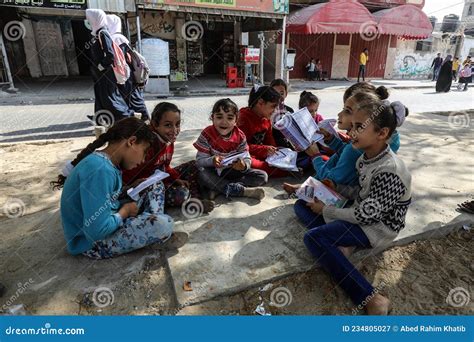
425 277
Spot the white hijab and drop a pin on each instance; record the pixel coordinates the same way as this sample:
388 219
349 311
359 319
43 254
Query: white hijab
114 25
97 19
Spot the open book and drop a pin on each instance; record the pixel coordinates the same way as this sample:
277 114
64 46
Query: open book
134 193
284 159
230 159
300 129
312 188
329 126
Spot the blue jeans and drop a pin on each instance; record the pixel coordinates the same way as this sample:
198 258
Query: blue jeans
307 216
323 241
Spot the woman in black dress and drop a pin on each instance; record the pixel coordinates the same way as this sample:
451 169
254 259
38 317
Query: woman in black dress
109 103
131 91
445 78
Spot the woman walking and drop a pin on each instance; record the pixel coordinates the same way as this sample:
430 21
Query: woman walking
445 77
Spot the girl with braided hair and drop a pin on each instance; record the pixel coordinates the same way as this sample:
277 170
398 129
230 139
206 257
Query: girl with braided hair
98 225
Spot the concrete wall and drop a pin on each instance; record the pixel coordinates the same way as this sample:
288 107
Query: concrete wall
468 47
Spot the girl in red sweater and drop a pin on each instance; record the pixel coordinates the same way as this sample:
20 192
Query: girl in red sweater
183 180
255 122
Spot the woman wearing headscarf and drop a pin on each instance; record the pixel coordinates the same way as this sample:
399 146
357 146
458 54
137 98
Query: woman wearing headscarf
108 99
132 92
445 77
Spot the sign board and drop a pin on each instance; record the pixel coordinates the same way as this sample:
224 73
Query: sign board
251 55
266 6
59 4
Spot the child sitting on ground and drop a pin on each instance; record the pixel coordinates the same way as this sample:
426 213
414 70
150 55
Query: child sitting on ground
378 213
282 88
220 140
341 167
255 122
183 180
95 223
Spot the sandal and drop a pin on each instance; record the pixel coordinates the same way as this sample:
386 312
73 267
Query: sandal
466 207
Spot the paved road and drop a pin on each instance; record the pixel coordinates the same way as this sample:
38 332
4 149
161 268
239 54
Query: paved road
39 122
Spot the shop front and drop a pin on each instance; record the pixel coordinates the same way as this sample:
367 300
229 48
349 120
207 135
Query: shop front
205 37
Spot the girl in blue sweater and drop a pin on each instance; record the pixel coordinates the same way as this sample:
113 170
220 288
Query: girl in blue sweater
98 225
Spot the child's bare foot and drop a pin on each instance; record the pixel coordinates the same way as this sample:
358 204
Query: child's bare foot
257 193
290 188
207 206
378 305
347 251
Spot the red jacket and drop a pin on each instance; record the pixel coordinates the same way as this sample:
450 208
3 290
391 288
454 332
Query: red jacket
258 131
158 156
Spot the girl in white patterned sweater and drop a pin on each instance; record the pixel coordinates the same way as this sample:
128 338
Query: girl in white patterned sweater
381 201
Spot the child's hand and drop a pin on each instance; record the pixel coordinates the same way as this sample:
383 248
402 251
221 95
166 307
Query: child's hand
271 150
128 210
182 182
313 150
327 135
217 160
239 165
316 207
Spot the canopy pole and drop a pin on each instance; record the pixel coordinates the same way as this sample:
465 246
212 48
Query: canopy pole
283 48
139 35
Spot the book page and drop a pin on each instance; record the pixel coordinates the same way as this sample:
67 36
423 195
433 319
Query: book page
134 193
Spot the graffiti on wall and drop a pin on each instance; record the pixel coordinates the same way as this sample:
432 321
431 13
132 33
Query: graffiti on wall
413 66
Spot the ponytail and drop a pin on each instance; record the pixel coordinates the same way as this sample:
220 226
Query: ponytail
123 129
266 93
381 91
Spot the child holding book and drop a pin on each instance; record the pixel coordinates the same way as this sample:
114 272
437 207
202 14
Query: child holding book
95 223
380 205
255 122
223 139
282 88
183 180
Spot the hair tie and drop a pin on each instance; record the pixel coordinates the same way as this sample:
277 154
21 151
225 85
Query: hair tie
67 169
400 111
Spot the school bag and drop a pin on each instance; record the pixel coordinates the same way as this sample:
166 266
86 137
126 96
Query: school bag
120 66
141 70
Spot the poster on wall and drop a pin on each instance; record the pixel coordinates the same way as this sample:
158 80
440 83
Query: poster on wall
266 6
59 4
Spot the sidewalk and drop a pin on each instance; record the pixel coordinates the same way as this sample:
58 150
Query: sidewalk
242 244
81 89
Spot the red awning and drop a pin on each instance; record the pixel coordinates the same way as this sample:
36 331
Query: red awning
336 16
407 21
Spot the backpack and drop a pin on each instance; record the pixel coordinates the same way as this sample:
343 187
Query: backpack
120 66
141 70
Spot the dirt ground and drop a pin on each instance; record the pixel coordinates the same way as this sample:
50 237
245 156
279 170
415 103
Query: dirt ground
426 277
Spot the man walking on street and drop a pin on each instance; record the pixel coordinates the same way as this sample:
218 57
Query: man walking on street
363 59
436 65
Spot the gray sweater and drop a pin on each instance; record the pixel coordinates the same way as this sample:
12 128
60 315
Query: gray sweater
381 198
